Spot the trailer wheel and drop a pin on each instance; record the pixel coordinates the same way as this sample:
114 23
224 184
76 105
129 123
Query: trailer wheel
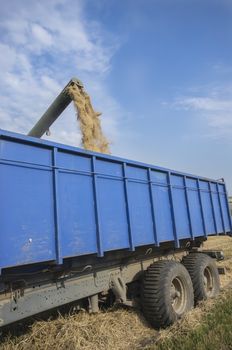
204 274
167 293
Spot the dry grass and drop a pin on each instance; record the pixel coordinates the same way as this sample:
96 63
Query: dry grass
116 328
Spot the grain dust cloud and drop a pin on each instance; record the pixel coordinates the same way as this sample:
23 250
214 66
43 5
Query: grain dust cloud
93 138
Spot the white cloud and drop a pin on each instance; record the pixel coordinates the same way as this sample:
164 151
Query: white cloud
204 103
215 108
42 45
42 35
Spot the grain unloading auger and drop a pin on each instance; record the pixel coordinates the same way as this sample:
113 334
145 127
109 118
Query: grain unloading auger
54 110
93 138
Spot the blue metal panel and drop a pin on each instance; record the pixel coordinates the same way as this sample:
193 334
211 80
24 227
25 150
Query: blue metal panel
25 153
76 214
70 161
207 207
181 213
217 208
159 177
218 216
224 204
112 208
137 173
208 212
163 214
141 213
109 168
161 206
26 216
180 207
195 207
61 201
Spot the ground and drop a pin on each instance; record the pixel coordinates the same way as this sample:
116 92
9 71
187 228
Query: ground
124 328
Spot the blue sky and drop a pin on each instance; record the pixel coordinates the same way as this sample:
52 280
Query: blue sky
159 71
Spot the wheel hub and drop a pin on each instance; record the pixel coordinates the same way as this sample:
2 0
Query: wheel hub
208 281
178 295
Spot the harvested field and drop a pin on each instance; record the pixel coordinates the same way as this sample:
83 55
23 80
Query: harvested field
124 328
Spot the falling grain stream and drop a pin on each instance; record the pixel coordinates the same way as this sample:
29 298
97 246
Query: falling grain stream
93 138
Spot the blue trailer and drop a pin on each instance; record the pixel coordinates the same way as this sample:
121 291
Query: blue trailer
76 224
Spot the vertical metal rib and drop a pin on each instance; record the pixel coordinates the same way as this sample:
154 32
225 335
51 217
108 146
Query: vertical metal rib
56 209
98 224
201 206
128 208
152 207
213 210
221 211
188 208
177 243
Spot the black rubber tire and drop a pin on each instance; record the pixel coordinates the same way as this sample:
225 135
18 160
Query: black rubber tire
197 265
156 299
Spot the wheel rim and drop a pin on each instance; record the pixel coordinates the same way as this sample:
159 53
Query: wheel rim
178 295
208 281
